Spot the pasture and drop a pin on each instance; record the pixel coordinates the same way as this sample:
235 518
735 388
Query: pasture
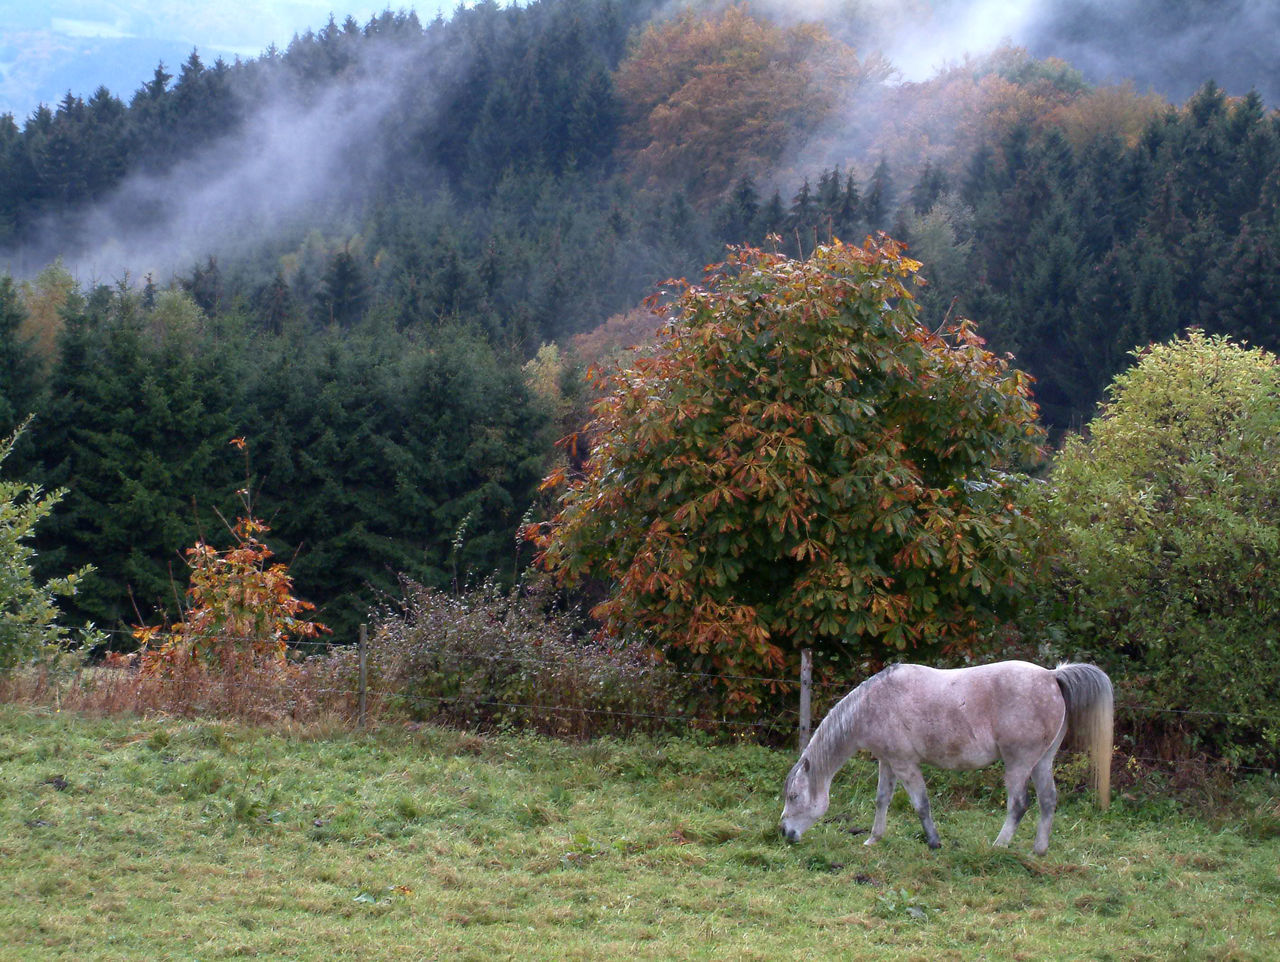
172 839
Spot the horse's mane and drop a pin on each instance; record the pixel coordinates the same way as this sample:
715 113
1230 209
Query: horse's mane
829 747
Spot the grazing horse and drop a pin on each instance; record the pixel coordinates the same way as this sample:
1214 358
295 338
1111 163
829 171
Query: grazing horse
961 718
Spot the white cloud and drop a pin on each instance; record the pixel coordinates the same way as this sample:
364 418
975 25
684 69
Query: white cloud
89 28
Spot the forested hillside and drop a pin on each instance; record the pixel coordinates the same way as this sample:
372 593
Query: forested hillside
350 251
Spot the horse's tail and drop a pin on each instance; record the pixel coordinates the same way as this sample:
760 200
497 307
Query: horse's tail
1090 708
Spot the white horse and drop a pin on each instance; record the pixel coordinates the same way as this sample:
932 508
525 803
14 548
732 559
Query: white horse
961 718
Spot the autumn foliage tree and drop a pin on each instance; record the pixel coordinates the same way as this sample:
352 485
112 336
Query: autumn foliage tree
240 613
799 462
709 98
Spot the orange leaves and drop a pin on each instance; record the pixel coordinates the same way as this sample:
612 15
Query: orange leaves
241 611
808 549
556 479
709 97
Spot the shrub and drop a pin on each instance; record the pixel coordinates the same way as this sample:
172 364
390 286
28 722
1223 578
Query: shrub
28 609
1162 541
241 612
240 617
488 658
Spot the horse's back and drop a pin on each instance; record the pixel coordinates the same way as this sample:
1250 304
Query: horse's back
966 717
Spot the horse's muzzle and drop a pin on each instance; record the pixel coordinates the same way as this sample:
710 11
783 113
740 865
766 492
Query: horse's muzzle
790 834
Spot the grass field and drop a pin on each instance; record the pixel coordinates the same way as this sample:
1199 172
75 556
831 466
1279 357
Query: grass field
171 839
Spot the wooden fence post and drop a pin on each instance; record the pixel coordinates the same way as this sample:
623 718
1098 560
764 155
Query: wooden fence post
364 672
806 692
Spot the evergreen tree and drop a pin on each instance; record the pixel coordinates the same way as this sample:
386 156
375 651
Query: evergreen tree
878 200
1246 288
19 367
373 451
931 185
736 217
802 220
205 287
138 417
773 216
105 143
343 294
848 216
273 304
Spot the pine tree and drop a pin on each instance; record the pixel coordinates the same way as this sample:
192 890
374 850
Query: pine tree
802 221
773 216
878 200
848 217
138 416
19 367
344 294
932 184
736 218
273 304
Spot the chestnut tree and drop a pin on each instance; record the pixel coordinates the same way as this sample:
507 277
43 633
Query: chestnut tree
800 462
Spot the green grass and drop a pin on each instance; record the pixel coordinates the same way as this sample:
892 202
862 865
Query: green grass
132 839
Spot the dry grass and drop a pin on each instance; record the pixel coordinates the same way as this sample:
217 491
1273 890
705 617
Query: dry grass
319 691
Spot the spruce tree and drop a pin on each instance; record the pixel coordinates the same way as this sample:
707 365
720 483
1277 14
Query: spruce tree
19 368
878 200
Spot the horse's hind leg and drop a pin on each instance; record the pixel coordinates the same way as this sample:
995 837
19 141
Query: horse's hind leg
913 782
885 785
1015 783
1047 796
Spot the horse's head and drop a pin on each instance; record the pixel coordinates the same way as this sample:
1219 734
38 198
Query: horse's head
804 800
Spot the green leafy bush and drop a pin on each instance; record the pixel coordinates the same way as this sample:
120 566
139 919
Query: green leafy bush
28 609
1162 537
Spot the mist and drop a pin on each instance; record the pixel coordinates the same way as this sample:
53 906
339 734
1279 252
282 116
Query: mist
295 163
298 162
1169 48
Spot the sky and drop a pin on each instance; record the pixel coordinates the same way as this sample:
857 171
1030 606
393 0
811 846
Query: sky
48 47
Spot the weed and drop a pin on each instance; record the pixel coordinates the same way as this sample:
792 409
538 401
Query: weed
245 809
899 903
204 778
499 660
159 740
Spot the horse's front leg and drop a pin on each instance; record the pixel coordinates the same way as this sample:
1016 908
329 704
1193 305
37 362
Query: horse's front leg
885 785
913 782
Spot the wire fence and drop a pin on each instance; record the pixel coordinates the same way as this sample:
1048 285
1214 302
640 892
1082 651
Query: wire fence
364 701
